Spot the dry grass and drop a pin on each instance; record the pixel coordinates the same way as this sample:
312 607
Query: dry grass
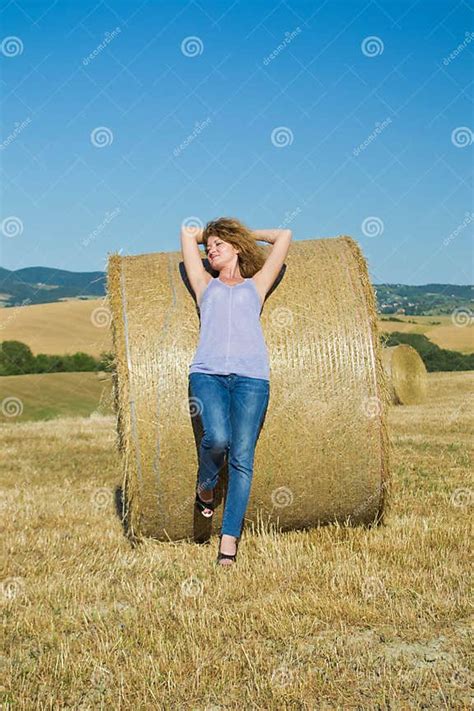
332 618
454 338
442 330
46 328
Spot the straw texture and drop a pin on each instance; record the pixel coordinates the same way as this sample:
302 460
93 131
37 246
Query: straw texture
406 374
323 451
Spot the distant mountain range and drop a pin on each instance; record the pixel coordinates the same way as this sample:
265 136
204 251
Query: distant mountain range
41 285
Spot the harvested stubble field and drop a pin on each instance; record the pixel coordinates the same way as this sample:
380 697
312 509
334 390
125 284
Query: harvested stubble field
331 618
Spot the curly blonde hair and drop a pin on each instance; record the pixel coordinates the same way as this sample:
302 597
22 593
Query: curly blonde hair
229 229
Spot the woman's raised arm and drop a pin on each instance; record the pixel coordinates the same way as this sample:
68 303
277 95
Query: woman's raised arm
190 238
271 235
281 241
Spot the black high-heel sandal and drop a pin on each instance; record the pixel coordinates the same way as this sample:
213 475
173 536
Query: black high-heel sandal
228 556
202 505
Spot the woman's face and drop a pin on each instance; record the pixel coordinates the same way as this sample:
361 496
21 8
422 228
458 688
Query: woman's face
219 252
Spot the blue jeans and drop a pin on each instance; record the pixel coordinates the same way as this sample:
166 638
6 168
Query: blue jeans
232 409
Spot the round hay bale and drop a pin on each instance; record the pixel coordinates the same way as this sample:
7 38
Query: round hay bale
323 451
406 374
102 375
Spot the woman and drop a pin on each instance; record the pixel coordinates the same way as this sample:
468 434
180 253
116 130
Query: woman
230 374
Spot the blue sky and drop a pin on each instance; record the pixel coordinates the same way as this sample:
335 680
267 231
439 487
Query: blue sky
120 120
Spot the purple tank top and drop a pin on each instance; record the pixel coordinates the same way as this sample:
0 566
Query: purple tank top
231 339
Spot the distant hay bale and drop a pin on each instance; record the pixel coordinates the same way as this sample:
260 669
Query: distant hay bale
102 375
323 451
406 374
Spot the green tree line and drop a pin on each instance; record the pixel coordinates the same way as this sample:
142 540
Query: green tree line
16 358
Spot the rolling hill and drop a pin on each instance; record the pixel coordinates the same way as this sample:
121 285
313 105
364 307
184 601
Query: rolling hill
60 328
41 285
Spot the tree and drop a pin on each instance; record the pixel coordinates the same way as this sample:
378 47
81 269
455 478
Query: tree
107 361
16 358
